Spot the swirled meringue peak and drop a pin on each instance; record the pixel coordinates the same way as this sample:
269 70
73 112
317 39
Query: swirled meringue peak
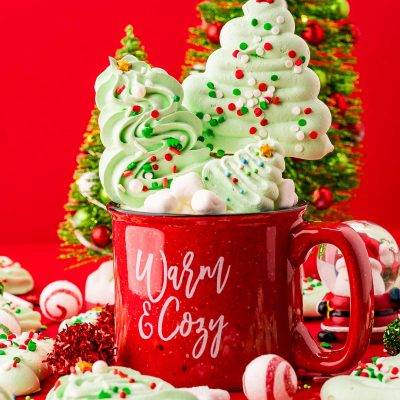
251 180
258 85
149 137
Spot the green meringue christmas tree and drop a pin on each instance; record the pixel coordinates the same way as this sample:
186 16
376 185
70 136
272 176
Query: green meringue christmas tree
86 230
149 137
258 85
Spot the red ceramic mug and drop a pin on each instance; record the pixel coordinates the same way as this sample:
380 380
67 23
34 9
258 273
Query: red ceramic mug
198 297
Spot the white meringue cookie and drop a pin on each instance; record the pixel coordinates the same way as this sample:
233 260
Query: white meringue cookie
99 288
161 202
185 186
207 202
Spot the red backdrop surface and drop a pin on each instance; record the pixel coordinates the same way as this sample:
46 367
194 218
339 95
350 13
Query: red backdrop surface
51 53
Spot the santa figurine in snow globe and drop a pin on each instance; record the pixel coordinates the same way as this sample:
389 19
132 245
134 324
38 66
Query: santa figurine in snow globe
384 258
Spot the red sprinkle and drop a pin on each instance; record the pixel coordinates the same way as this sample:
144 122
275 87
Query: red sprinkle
235 53
174 150
239 74
136 109
155 114
153 158
268 46
308 110
365 374
239 112
264 122
22 347
10 337
152 385
168 157
155 167
276 100
268 99
395 371
258 112
235 180
131 380
122 395
57 384
122 374
299 62
145 189
292 54
174 169
219 110
313 135
2 345
265 1
253 130
231 107
120 89
165 183
262 87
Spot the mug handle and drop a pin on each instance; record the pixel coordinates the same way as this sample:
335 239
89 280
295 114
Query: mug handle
308 354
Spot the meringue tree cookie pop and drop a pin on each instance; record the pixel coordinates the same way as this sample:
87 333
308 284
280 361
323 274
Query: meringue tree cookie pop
258 85
149 137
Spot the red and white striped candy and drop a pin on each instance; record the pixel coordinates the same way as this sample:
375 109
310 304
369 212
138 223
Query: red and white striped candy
60 300
269 377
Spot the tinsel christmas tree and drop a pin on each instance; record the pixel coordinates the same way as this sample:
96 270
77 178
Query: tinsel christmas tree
329 182
86 229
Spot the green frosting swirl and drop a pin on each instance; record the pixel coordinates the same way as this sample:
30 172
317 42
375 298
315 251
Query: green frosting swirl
250 180
149 137
109 382
258 85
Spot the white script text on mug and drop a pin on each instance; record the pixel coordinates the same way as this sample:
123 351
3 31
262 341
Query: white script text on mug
175 276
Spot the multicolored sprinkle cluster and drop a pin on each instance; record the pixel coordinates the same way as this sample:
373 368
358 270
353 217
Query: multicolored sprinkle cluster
309 284
377 370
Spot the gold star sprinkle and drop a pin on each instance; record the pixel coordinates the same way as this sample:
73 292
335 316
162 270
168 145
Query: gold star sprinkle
124 66
84 366
267 151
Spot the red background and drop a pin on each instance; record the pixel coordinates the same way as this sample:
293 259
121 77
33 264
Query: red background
52 52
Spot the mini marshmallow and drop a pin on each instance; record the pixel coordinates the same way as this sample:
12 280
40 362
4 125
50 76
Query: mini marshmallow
185 186
207 202
205 393
287 194
161 202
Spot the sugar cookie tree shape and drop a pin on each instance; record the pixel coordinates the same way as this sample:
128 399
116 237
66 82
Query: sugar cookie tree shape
149 137
258 85
85 209
327 29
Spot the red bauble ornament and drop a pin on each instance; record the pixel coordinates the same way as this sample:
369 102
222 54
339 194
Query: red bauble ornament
213 31
359 131
322 198
314 34
101 236
339 101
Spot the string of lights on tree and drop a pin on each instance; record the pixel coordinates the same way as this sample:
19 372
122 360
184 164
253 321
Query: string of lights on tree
329 182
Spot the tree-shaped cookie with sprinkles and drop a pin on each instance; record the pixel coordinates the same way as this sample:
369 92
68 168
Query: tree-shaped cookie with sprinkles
258 85
149 137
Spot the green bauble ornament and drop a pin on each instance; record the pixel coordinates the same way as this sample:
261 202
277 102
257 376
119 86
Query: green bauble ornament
80 217
391 338
103 196
341 7
322 77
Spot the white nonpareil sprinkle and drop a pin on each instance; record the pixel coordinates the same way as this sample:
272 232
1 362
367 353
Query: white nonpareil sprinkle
280 19
300 135
220 95
251 82
257 39
288 63
260 51
294 128
148 175
275 30
296 110
148 82
250 103
299 148
256 93
248 94
207 117
135 186
263 133
297 69
244 58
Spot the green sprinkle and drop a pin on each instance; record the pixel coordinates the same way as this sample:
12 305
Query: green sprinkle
154 185
206 178
172 142
254 22
319 284
244 110
374 359
2 353
146 132
210 146
326 345
115 389
212 93
302 122
176 98
237 92
221 119
32 346
263 105
147 167
305 386
210 85
303 59
220 153
208 133
131 166
104 395
18 311
309 279
274 78
358 372
228 199
255 170
200 138
248 173
126 390
200 115
213 122
243 46
267 26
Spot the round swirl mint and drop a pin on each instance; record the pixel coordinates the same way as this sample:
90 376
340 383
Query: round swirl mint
149 137
250 180
258 85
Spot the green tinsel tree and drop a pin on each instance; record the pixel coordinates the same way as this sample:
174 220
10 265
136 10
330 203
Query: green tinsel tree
86 229
329 182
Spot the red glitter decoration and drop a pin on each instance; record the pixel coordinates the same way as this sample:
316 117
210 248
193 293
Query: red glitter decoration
84 342
155 114
314 34
239 74
268 46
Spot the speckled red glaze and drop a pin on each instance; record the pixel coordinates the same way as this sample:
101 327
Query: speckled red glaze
261 298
